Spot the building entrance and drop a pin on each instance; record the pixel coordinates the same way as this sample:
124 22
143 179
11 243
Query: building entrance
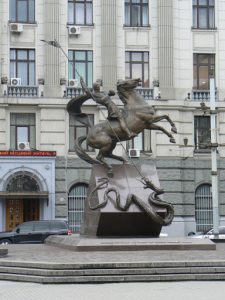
23 202
21 210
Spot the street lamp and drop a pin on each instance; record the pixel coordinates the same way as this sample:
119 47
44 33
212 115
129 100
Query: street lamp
56 44
214 146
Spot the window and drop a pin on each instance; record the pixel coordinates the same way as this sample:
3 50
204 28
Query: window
26 227
203 65
77 129
141 142
22 65
22 130
42 226
137 66
137 142
203 208
76 198
57 225
204 14
80 12
22 183
22 11
202 133
82 61
136 13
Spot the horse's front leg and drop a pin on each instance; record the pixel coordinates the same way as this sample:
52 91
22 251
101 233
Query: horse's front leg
165 117
157 127
101 157
111 155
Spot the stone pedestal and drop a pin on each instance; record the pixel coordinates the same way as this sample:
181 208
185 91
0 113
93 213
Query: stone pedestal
109 220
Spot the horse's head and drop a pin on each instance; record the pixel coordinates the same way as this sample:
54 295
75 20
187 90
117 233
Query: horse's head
127 93
127 85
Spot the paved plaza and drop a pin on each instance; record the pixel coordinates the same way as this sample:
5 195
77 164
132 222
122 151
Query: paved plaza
142 291
47 253
117 291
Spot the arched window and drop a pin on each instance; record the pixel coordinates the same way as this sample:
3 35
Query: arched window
22 183
76 198
203 207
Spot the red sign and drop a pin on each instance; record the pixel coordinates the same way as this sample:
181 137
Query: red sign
27 153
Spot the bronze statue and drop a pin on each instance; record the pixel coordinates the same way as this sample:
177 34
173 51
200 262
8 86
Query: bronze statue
137 115
104 99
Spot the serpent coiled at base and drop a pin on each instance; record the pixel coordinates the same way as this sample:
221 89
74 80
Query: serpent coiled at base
149 208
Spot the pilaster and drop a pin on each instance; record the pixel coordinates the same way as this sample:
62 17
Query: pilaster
52 54
165 47
109 39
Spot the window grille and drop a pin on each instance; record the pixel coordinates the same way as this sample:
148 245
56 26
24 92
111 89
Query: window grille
203 208
76 198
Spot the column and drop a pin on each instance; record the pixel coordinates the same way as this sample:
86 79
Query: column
108 39
52 54
165 46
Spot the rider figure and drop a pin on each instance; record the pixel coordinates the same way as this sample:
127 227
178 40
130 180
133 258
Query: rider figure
104 99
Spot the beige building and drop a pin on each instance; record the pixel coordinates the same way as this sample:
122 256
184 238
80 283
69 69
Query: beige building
172 45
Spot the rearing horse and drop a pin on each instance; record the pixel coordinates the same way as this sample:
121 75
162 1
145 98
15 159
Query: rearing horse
105 135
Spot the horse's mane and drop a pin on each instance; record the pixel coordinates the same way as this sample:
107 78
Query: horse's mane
126 86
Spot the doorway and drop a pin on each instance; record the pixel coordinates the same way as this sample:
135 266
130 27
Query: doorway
21 210
30 210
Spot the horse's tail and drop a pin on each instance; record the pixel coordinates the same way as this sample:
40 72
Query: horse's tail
81 153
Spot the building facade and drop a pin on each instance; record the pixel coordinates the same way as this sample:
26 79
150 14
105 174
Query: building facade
174 46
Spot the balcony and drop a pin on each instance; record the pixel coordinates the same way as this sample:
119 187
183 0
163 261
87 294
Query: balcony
22 91
203 95
71 92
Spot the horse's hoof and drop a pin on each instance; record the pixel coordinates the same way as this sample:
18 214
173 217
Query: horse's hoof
172 140
173 129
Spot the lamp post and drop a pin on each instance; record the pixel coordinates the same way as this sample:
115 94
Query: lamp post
214 146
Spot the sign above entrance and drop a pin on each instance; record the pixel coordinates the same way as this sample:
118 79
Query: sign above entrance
27 153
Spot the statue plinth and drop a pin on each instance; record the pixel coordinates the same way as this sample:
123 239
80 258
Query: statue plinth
111 221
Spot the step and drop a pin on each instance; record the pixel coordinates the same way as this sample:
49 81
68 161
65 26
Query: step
109 272
111 279
40 272
111 265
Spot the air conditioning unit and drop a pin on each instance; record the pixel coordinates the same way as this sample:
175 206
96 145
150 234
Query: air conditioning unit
73 82
16 27
134 152
15 81
74 30
23 146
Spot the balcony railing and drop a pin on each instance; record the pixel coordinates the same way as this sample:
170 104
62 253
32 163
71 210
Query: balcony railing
203 95
73 92
146 93
22 91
